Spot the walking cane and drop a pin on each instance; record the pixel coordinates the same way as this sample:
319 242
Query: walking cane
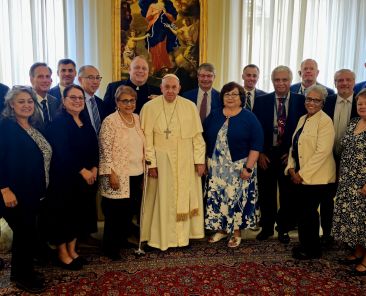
140 251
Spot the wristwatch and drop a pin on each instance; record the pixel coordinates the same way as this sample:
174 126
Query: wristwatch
248 169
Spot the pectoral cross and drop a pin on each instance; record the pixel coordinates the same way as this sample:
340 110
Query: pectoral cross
167 132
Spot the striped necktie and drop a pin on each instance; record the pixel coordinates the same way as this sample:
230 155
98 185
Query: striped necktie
95 113
46 116
248 102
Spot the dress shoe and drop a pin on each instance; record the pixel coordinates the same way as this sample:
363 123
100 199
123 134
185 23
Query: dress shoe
347 261
326 241
30 284
113 256
36 274
264 235
73 265
283 237
300 254
81 260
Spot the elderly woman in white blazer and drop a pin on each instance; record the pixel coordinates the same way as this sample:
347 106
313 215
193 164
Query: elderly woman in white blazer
311 167
121 170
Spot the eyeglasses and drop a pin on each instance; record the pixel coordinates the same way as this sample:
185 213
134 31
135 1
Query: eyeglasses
227 95
76 98
127 102
93 78
315 101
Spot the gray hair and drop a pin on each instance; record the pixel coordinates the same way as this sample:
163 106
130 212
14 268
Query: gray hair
124 89
309 60
336 74
8 111
83 68
320 90
281 69
207 67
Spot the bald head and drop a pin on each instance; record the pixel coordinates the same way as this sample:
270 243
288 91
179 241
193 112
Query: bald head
139 71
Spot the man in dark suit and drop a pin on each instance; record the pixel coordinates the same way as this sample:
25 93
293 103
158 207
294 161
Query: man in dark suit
341 107
359 85
205 97
89 79
250 77
66 71
278 112
3 90
139 73
309 73
40 78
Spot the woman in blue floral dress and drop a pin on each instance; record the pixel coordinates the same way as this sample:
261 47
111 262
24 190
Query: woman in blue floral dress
349 220
234 138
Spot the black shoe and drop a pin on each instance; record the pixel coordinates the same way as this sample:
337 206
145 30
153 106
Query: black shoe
264 235
346 261
283 237
73 265
300 254
38 276
326 241
81 260
113 256
31 285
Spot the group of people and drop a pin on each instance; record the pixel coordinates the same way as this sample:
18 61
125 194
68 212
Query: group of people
211 160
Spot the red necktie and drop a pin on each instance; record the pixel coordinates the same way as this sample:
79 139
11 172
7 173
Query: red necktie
203 109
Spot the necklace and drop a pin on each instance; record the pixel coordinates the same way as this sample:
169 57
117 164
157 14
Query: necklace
167 131
231 113
128 123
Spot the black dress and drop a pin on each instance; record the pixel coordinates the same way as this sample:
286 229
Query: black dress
70 203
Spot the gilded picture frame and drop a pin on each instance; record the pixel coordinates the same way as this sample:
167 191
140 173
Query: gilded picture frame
171 34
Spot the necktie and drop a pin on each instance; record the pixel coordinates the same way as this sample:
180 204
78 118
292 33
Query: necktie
342 124
203 109
248 103
96 116
46 117
281 119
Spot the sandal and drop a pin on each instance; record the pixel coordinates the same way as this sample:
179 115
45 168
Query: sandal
234 242
217 237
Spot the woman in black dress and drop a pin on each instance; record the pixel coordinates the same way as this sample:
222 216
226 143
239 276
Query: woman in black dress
73 177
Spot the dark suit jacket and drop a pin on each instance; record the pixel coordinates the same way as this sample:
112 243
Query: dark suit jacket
359 86
296 87
330 103
142 95
22 165
264 110
101 109
215 97
53 108
3 90
56 92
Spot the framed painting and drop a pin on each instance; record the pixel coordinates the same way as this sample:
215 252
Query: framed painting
171 34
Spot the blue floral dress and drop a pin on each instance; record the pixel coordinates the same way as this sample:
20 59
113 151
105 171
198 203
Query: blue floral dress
231 201
349 220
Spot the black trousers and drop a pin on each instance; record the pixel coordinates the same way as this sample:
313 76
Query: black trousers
309 198
118 214
23 224
267 188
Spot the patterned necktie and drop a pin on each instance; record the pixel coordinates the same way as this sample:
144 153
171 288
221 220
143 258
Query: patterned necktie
96 116
203 109
281 119
248 103
46 116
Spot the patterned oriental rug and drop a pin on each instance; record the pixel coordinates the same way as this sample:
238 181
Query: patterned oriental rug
255 268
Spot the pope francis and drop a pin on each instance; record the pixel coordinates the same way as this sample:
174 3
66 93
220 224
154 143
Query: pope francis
173 209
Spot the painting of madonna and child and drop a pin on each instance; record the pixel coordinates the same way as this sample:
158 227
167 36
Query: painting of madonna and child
166 32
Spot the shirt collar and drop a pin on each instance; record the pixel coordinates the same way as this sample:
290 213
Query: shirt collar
348 99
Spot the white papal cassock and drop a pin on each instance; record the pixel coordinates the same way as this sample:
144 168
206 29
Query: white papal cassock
173 211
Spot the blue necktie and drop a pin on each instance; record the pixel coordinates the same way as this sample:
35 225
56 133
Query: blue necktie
95 113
